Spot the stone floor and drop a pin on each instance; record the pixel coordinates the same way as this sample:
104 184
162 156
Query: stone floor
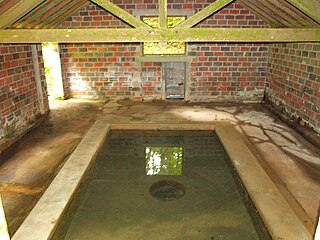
291 162
28 167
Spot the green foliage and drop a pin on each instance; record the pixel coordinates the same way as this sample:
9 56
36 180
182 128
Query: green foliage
164 160
165 48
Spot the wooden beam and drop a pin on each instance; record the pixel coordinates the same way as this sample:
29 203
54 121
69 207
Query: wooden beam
204 13
279 13
17 11
56 13
262 14
309 7
163 13
37 76
120 13
62 18
293 12
156 35
33 16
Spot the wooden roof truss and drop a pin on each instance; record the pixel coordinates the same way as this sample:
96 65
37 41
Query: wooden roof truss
34 21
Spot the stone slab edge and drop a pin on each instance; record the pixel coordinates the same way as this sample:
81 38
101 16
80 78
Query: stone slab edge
280 219
41 222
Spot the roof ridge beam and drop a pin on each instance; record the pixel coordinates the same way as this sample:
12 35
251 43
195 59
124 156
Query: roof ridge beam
308 7
17 11
204 13
120 13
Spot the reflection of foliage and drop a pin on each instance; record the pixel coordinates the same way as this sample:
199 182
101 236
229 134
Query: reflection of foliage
164 47
164 160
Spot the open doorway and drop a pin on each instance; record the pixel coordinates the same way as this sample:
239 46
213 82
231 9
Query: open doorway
174 74
52 66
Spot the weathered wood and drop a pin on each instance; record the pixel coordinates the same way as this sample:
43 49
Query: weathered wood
17 11
277 12
293 12
37 75
65 15
163 13
260 13
120 13
156 35
204 13
56 14
30 17
309 7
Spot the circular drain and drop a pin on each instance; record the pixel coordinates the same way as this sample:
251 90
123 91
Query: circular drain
166 190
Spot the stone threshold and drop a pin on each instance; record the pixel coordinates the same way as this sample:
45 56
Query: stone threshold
280 220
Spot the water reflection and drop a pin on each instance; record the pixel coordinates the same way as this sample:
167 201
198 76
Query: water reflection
164 160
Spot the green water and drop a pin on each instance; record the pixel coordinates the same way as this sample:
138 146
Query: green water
115 201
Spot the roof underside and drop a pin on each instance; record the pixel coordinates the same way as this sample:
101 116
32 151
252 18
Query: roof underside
48 14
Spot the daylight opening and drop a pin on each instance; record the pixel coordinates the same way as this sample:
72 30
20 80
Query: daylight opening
52 67
164 48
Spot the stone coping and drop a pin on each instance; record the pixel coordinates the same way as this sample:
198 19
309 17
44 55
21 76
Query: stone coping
279 218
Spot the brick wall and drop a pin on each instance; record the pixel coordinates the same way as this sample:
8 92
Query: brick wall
294 81
19 101
228 72
217 72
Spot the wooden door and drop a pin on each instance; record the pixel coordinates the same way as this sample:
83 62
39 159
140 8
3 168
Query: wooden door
175 78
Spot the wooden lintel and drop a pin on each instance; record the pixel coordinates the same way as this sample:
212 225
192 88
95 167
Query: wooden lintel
120 13
204 13
163 13
309 7
154 35
17 11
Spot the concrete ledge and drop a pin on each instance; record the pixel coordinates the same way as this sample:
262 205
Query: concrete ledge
41 222
279 218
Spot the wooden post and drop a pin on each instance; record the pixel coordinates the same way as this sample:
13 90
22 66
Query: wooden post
163 15
38 77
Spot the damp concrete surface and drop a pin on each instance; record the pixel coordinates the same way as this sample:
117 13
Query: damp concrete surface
292 163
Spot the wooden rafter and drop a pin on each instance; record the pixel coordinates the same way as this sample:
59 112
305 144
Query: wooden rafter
204 13
309 7
34 16
17 11
269 7
163 13
291 11
6 5
152 35
65 15
262 14
56 14
120 13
